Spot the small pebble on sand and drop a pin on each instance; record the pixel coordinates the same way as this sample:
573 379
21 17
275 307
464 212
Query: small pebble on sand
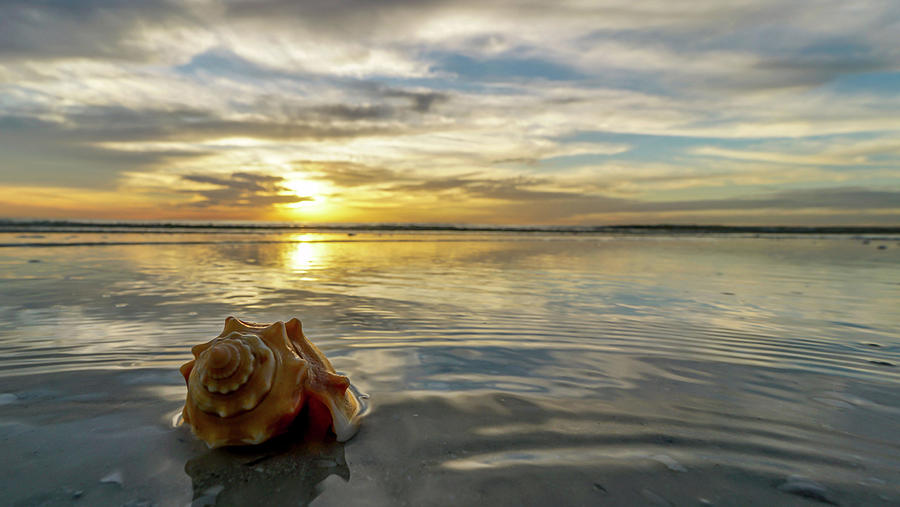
807 489
114 477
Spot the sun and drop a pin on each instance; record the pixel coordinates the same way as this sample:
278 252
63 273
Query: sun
311 190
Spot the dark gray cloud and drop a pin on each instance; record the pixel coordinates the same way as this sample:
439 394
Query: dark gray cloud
341 18
66 151
548 207
529 191
241 190
115 123
836 198
471 185
38 150
521 195
353 112
49 153
518 188
419 101
376 103
385 100
433 185
102 29
422 102
349 174
847 199
805 70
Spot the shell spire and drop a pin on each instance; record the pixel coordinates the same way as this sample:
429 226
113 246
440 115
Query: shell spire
249 384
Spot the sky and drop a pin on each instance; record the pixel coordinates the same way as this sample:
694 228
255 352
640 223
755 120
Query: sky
756 112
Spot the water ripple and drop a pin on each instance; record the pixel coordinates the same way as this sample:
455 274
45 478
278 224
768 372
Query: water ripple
493 356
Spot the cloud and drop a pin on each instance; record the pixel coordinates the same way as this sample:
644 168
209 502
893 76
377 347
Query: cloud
70 145
454 100
37 151
847 198
420 101
98 29
240 190
561 198
122 124
546 198
774 157
520 188
835 151
587 209
345 174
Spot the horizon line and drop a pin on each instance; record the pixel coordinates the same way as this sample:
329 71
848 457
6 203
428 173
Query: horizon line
17 224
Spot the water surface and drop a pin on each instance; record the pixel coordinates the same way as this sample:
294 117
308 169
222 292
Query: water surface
501 368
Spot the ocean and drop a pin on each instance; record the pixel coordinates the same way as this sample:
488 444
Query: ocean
500 366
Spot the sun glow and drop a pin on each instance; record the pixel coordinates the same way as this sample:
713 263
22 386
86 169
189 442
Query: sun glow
311 191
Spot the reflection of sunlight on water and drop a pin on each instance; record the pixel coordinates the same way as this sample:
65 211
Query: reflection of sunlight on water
302 255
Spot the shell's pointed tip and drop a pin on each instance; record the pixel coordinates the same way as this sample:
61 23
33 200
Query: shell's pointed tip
340 382
186 368
294 329
219 355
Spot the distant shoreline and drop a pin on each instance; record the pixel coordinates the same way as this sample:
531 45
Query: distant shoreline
11 225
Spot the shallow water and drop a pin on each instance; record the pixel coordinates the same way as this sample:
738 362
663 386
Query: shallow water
501 368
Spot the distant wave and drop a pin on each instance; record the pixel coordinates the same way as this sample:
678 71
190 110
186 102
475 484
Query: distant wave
228 241
112 227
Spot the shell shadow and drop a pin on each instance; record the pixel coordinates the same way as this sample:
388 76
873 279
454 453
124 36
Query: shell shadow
286 470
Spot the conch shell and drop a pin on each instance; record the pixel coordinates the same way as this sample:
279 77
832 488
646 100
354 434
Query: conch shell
249 384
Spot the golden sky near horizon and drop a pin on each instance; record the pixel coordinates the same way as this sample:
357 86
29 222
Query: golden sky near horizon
764 112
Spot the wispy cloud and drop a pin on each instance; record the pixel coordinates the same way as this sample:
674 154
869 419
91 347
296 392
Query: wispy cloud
240 190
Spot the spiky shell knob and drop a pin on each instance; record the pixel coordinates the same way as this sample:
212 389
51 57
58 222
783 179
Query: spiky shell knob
249 384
